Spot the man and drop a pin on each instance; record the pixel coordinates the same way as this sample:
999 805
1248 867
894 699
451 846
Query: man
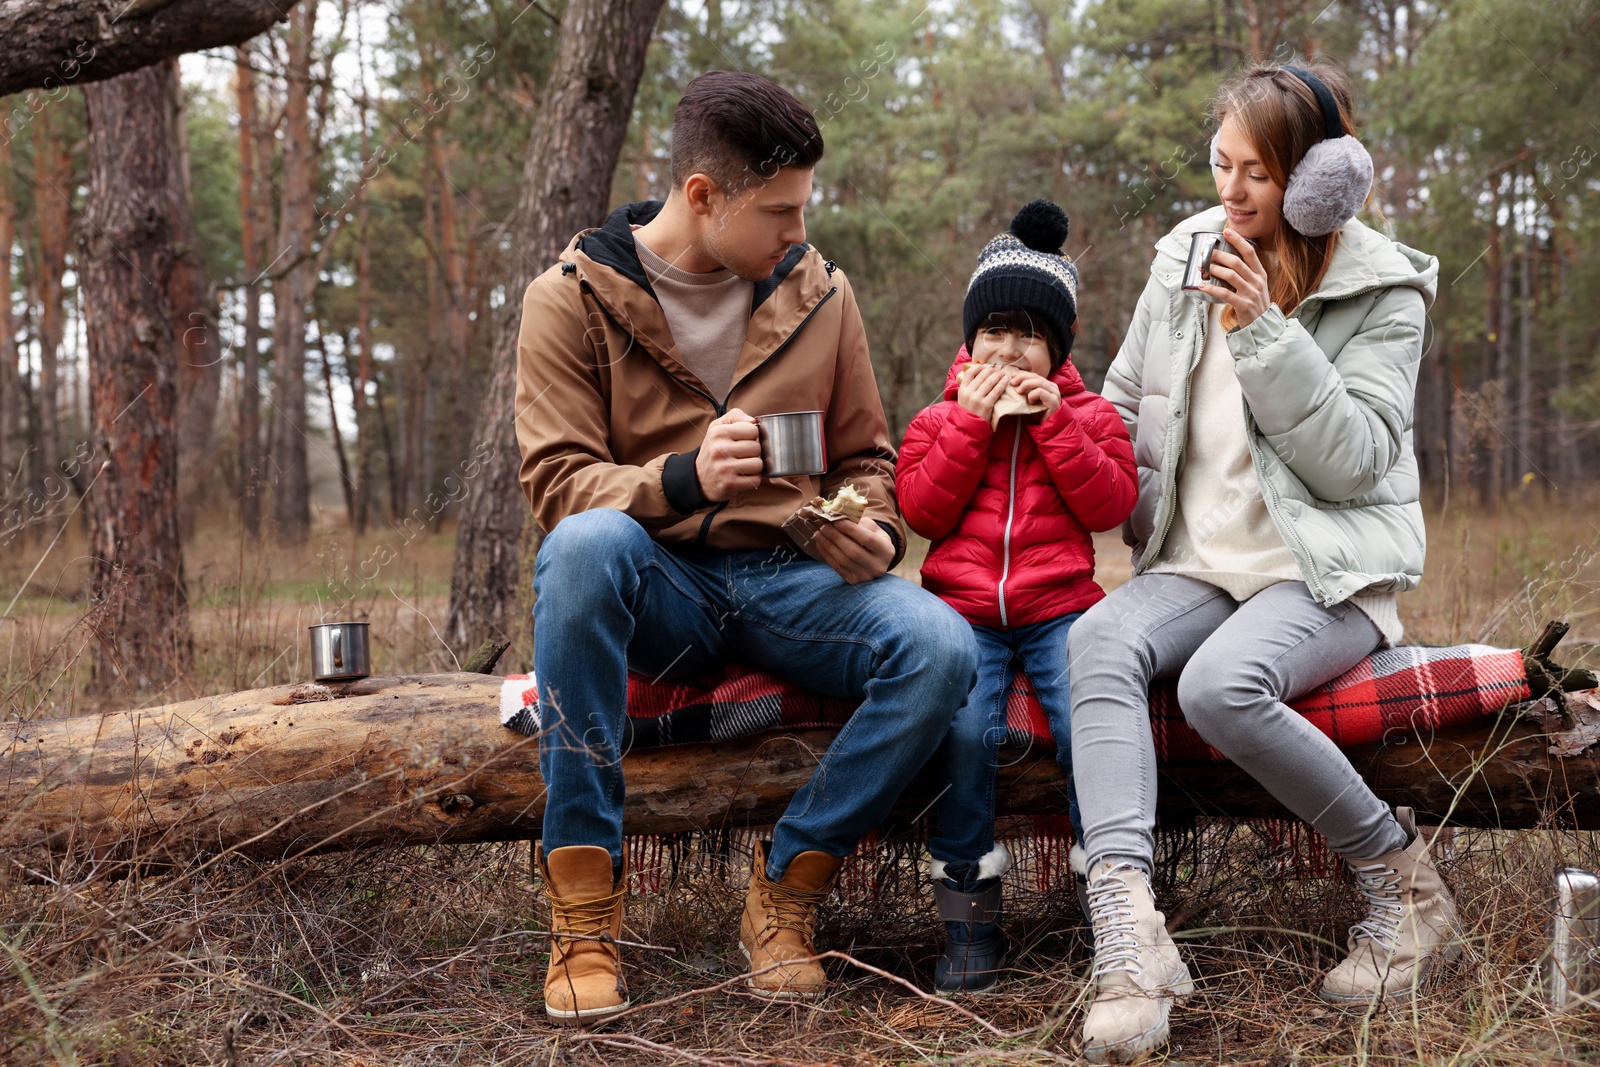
645 354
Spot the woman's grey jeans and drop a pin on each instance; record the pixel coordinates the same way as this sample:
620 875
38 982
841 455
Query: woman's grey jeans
1236 664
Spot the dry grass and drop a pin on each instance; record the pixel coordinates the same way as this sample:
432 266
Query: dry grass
431 956
249 607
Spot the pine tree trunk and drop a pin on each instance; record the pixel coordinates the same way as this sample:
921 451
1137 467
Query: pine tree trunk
455 285
421 406
194 321
291 478
250 234
1528 461
363 328
8 340
52 194
138 610
391 457
1566 459
566 186
346 485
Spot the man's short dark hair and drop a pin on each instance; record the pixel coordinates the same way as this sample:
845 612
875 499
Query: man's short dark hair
738 129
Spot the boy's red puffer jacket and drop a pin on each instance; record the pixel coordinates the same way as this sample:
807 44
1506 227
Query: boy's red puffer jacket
1010 510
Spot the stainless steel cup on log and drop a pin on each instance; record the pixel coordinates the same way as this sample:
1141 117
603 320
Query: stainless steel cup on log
1573 978
339 651
792 444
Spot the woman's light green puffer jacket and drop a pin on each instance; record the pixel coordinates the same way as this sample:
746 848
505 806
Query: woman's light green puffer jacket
1329 393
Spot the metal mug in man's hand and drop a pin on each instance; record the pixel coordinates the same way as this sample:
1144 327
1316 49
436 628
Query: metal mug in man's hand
792 444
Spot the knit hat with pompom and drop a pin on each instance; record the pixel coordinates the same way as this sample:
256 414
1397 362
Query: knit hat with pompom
1025 268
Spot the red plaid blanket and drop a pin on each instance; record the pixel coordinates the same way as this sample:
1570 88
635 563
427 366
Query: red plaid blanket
1406 690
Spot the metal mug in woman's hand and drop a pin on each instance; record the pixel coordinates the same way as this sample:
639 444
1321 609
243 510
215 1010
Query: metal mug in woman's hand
1202 246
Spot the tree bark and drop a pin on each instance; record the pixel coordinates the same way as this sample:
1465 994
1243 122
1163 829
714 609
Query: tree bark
566 187
52 195
194 319
422 759
9 409
452 260
1506 457
1568 470
251 231
51 45
1494 324
346 484
419 395
363 324
291 292
138 610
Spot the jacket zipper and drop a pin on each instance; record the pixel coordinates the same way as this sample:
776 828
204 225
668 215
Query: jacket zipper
785 343
1169 471
1275 500
1011 511
1169 475
722 407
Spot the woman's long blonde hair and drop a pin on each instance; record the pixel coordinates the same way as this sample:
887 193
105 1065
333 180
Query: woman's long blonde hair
1280 117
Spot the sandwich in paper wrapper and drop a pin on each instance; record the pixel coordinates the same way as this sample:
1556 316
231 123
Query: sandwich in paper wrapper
1010 402
846 503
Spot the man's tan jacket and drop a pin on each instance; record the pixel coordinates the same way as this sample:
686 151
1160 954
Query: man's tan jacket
608 416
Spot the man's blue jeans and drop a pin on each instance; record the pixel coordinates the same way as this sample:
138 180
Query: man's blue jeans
969 758
609 598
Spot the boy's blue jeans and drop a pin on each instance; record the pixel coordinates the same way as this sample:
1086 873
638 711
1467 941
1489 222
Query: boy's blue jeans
969 758
610 598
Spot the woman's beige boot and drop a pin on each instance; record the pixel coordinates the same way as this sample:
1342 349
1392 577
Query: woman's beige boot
1409 928
1137 970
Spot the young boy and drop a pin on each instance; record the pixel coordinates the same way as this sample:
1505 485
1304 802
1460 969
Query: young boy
1008 476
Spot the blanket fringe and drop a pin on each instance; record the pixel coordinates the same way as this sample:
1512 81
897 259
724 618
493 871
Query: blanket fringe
890 864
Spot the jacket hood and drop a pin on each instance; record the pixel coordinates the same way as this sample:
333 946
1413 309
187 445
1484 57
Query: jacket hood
1067 378
1363 259
605 262
612 245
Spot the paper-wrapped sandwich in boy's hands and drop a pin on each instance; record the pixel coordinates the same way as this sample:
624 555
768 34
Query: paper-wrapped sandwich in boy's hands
1011 401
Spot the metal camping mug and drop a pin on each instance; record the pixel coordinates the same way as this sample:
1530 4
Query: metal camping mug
1573 978
792 444
339 651
1202 246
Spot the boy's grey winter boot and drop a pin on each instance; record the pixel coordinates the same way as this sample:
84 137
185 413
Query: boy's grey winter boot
969 899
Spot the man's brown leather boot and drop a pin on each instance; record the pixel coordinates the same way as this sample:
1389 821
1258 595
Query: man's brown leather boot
779 923
584 981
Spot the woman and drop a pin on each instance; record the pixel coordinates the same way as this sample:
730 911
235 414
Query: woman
1278 519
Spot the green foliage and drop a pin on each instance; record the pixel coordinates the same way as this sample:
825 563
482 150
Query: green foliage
1102 106
940 121
214 182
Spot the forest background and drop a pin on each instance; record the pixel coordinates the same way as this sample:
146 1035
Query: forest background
349 256
255 327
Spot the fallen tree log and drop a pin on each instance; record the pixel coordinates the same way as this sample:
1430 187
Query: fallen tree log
422 759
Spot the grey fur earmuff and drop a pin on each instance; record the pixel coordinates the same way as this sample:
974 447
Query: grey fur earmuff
1331 182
